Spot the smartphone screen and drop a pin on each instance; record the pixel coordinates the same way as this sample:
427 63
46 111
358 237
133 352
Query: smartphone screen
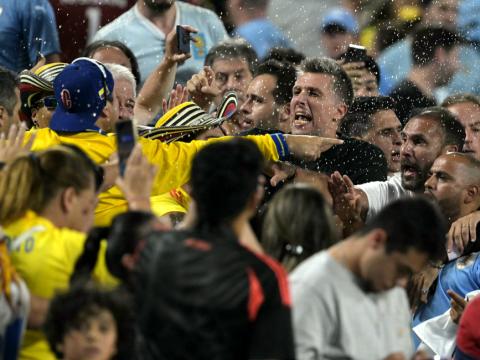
126 139
183 40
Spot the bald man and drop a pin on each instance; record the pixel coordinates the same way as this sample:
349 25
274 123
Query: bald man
454 184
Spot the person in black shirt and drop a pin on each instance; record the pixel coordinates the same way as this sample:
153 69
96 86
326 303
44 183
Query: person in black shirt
322 95
205 294
434 57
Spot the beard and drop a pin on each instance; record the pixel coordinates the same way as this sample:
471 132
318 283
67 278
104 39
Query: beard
413 177
159 7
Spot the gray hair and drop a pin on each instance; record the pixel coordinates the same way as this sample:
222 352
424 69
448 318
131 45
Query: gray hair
8 83
120 72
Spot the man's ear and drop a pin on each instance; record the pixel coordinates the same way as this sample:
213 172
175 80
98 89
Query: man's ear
450 148
68 199
342 109
472 194
284 113
3 112
106 110
34 116
377 238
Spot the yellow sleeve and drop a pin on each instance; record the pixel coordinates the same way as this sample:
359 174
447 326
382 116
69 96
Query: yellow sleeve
167 203
174 160
44 139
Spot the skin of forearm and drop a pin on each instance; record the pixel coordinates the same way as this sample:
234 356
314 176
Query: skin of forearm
156 88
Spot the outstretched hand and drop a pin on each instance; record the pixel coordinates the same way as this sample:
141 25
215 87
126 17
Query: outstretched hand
280 172
463 231
202 87
308 147
345 198
178 96
12 144
346 202
171 48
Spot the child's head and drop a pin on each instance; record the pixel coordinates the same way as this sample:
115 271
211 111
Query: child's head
88 323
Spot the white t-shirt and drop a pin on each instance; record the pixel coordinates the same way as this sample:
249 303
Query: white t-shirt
334 318
148 43
382 193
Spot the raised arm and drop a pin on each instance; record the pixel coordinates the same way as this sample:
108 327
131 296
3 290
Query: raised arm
158 85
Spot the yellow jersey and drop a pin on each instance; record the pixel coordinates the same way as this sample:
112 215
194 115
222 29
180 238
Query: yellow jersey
45 256
173 161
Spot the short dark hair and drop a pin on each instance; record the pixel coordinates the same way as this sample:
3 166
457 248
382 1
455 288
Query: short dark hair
93 47
230 168
232 49
71 309
285 55
452 128
342 85
411 223
461 99
427 40
285 74
8 83
127 231
358 120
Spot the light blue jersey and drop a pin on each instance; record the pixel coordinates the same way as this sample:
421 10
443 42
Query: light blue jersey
263 35
396 61
27 28
461 276
148 43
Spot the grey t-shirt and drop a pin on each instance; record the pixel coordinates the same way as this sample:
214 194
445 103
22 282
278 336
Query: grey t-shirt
334 318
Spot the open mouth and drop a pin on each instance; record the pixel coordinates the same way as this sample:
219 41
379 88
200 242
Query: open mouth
409 170
395 155
301 119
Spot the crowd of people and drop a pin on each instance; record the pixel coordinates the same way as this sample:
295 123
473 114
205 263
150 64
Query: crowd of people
273 202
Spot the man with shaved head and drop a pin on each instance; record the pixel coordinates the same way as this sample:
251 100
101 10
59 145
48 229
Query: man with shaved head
454 184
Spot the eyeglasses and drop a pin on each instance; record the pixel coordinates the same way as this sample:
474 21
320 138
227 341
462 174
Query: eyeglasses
49 102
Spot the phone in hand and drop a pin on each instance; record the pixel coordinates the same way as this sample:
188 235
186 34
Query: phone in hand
183 40
355 53
126 139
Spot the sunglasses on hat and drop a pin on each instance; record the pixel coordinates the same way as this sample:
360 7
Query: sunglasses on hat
49 102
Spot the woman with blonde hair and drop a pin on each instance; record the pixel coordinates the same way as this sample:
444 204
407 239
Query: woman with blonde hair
47 207
298 223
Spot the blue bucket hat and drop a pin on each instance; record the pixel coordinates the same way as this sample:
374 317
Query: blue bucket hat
340 17
82 90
